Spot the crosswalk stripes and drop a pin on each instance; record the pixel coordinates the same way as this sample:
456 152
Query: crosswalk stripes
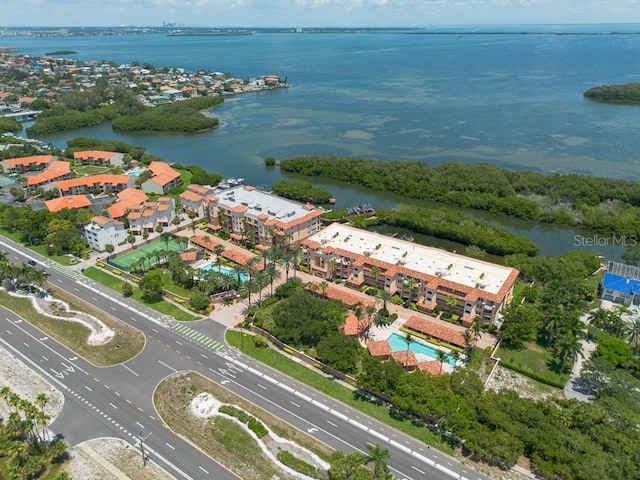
197 337
66 271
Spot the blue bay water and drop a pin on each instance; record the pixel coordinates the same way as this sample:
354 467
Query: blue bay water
505 97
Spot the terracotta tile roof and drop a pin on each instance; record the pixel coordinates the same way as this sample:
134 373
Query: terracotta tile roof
191 196
199 189
345 296
449 335
70 201
55 170
89 181
432 367
162 173
189 256
26 161
378 348
95 154
239 209
239 257
164 178
405 358
354 327
201 242
99 219
127 199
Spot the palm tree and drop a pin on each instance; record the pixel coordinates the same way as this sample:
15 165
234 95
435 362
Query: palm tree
451 302
384 297
375 271
442 356
408 338
599 318
456 356
379 456
323 286
295 257
132 239
286 260
412 285
568 348
632 332
476 326
166 238
467 337
273 274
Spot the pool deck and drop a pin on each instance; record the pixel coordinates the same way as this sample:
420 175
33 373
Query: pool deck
383 333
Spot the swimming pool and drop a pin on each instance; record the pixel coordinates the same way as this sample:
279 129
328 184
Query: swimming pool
397 343
135 172
224 270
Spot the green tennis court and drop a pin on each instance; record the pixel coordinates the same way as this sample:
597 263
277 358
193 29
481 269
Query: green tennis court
125 260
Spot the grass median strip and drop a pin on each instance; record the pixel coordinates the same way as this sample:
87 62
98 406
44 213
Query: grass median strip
303 374
115 283
126 344
220 438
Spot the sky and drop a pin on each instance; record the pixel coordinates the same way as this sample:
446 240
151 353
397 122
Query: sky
308 13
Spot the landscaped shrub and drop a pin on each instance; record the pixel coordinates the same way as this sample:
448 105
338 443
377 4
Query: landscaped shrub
257 427
260 342
241 415
290 460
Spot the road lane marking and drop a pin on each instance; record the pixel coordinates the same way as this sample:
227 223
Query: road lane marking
417 470
88 388
332 424
294 404
113 405
262 386
205 471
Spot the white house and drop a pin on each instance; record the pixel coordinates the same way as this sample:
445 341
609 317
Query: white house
102 231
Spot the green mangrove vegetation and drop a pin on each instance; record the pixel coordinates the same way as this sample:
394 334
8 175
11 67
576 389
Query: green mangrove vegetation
459 228
627 93
594 203
301 191
116 103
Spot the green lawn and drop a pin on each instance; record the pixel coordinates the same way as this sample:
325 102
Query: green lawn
305 375
41 249
81 170
161 306
535 360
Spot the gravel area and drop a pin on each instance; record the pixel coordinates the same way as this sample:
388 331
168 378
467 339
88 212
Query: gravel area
503 378
26 383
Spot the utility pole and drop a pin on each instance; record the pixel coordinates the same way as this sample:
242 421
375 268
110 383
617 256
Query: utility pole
141 439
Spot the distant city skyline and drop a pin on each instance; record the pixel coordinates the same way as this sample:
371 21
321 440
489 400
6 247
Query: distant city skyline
313 13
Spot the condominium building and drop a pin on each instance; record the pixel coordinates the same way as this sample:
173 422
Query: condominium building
194 199
104 231
25 164
149 215
55 171
101 182
164 178
261 217
428 276
98 157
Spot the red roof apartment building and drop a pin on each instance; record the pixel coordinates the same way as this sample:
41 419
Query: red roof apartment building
425 275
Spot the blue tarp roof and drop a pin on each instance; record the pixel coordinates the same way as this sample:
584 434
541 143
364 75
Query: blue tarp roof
620 284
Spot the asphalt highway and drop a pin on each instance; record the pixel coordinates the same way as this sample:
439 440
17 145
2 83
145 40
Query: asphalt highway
117 401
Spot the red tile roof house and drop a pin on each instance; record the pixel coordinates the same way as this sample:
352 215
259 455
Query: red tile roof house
192 201
24 164
56 171
98 157
435 330
164 178
151 214
70 201
424 275
126 200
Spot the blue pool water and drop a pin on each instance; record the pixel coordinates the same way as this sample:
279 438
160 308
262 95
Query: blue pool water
224 270
398 344
136 172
